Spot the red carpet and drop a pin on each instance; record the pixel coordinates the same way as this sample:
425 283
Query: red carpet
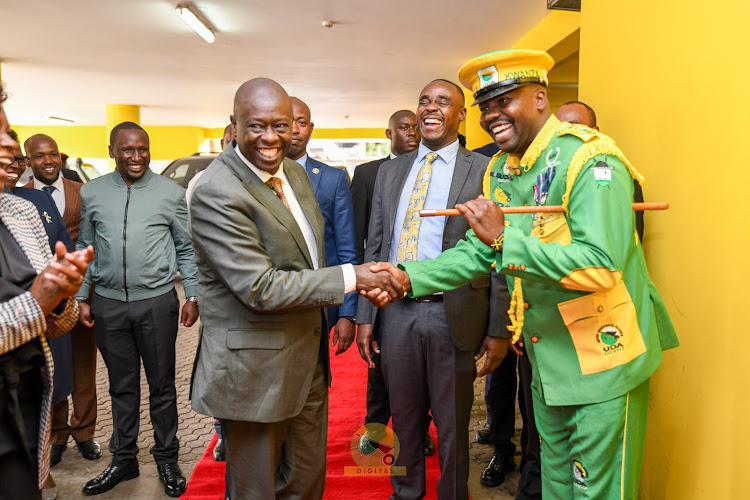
345 417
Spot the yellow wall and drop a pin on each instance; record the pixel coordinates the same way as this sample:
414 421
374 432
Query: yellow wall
668 81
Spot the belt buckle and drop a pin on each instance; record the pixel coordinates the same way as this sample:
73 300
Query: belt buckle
426 298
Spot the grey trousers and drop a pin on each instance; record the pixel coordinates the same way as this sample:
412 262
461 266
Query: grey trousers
282 460
423 369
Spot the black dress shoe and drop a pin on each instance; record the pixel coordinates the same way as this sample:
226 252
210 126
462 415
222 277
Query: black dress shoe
55 453
112 475
483 435
429 446
499 466
171 476
90 450
220 451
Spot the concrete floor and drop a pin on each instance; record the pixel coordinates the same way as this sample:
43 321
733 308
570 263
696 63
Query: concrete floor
195 432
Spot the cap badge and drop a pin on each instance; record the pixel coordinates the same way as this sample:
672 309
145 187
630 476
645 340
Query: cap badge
488 76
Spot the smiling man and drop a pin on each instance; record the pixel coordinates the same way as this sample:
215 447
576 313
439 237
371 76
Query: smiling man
262 365
137 221
592 321
428 343
46 164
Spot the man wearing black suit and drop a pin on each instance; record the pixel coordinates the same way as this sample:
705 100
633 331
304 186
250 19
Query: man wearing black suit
428 343
404 136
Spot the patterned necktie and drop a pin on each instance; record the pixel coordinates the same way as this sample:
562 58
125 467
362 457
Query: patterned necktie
407 244
275 184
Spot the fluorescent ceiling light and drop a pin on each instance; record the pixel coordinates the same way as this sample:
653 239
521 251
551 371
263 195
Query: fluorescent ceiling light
194 22
61 121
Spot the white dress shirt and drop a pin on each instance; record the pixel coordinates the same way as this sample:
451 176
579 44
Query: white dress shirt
58 194
350 276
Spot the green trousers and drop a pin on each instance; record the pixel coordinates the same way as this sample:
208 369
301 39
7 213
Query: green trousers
593 451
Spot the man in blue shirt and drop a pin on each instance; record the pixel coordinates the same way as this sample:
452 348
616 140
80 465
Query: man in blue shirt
428 343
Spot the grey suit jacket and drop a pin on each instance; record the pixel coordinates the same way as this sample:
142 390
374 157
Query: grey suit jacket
261 301
472 311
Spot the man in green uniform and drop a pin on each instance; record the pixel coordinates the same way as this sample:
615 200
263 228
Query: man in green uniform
592 320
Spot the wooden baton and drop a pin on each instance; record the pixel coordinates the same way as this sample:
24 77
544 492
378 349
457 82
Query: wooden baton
639 207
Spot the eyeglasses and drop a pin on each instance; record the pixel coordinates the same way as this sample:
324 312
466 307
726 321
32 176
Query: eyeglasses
21 160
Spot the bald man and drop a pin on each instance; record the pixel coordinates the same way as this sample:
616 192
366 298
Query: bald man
262 365
46 164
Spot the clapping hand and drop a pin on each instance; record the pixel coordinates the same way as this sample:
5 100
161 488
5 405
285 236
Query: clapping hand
62 278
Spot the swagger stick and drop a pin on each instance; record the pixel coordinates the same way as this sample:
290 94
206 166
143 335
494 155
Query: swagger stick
639 207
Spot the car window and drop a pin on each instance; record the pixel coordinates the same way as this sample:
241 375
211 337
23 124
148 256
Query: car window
184 169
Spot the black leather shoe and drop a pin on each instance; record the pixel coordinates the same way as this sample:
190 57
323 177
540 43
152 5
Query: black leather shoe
112 475
90 450
483 435
171 476
429 446
55 453
220 451
499 466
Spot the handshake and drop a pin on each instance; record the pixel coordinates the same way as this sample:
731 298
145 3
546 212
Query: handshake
381 282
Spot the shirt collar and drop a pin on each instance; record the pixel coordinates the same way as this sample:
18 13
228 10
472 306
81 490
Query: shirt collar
262 174
57 184
303 160
447 153
392 156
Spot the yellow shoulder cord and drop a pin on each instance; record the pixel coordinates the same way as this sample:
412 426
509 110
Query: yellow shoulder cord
600 146
487 176
515 313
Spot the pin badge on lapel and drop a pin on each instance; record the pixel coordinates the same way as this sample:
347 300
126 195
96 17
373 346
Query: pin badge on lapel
316 170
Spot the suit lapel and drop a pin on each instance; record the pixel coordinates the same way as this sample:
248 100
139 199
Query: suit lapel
399 180
23 231
310 208
460 174
268 198
314 177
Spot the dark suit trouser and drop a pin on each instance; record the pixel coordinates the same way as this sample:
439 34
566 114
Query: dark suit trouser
83 419
18 476
530 483
423 369
126 333
501 402
282 460
378 405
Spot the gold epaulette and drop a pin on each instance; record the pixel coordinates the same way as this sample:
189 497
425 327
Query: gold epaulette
583 132
596 144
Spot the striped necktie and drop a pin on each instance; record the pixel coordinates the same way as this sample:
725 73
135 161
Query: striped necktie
407 243
275 184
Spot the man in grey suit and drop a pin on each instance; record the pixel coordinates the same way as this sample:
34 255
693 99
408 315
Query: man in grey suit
262 363
428 343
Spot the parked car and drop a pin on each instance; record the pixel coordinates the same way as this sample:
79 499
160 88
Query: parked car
183 170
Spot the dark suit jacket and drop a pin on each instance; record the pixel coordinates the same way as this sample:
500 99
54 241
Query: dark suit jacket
261 301
472 311
51 219
72 215
363 185
331 189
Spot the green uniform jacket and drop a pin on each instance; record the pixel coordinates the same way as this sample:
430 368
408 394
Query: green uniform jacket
595 325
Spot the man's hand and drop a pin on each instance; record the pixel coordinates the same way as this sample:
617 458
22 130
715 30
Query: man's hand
484 217
366 344
379 297
84 315
189 313
496 348
61 278
343 335
384 287
517 347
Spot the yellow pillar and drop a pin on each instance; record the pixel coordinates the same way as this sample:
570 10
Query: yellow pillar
476 137
118 113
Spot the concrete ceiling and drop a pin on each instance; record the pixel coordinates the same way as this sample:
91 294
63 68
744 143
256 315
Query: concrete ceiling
70 59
